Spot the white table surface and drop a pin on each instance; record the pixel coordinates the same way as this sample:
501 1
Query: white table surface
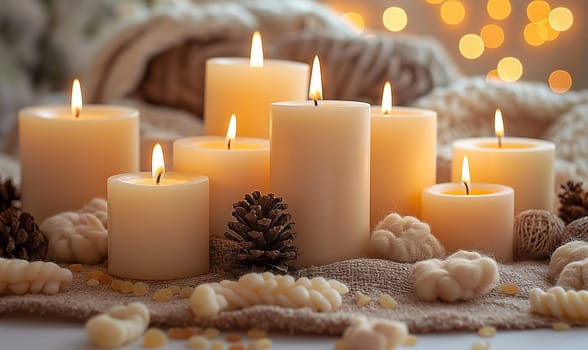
24 331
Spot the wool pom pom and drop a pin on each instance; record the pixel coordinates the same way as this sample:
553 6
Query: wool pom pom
461 276
536 234
576 230
574 275
375 334
78 237
567 253
120 325
404 239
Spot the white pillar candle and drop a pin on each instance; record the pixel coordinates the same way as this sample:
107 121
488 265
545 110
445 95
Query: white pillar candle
481 220
233 172
158 231
403 157
320 165
247 87
65 160
526 165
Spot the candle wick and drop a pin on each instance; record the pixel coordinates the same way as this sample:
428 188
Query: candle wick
229 144
316 102
77 114
466 187
158 179
499 142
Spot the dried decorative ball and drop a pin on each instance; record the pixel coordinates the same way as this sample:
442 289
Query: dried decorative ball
154 338
576 230
536 234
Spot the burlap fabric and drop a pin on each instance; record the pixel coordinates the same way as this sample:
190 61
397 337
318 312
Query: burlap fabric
370 276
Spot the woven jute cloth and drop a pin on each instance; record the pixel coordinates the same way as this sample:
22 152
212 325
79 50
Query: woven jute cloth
369 276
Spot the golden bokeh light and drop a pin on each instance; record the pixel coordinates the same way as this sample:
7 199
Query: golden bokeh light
498 9
471 46
355 20
394 19
535 34
561 18
492 35
453 12
560 81
510 69
492 75
552 34
435 1
538 10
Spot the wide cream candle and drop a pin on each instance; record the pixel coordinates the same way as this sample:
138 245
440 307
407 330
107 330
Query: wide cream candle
66 159
158 225
247 87
320 165
403 157
478 217
526 165
233 172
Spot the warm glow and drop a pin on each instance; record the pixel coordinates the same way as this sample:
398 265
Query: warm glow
552 34
560 81
256 58
498 124
157 163
355 20
492 35
538 10
561 18
316 85
231 131
498 9
492 75
535 33
394 19
465 174
387 98
452 12
510 69
471 46
434 1
76 98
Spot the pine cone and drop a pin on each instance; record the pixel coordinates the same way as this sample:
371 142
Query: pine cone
9 195
263 231
574 202
20 237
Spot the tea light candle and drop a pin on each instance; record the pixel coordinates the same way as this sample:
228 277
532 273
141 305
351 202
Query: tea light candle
158 223
235 166
247 87
478 217
67 153
320 165
526 165
403 157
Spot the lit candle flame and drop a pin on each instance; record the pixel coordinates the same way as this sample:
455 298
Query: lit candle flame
157 163
256 57
387 98
465 174
231 131
499 126
315 92
76 98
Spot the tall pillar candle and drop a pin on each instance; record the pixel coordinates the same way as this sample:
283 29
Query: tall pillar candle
247 87
403 158
320 165
233 172
66 161
158 230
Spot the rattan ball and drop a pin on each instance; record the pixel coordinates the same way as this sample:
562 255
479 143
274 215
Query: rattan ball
576 230
536 234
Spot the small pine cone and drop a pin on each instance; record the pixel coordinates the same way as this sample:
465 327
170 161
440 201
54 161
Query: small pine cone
263 231
20 237
9 195
574 202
